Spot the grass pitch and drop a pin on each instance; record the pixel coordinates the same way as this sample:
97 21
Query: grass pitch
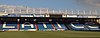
50 34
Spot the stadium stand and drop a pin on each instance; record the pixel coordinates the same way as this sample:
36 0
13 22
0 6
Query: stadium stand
18 18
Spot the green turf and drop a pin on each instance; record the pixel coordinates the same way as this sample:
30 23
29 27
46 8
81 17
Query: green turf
50 34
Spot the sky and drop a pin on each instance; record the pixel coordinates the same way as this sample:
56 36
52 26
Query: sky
56 4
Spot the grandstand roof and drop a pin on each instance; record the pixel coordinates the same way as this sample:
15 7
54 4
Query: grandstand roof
6 9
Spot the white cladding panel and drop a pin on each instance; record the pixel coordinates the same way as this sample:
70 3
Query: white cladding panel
36 15
26 15
71 15
3 14
92 16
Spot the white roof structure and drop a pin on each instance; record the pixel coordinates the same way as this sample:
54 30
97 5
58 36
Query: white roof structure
5 9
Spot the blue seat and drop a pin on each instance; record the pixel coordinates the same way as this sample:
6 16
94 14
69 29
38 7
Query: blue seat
62 26
26 27
78 24
49 26
1 23
92 27
40 26
14 24
79 27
